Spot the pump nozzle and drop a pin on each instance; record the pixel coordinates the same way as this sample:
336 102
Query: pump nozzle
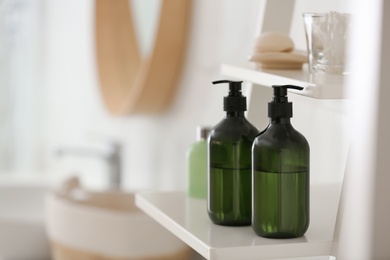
280 107
235 101
280 92
234 86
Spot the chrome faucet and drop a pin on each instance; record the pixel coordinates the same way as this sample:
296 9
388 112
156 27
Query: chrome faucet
113 158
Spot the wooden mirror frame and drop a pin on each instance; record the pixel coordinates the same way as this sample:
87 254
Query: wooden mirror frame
130 83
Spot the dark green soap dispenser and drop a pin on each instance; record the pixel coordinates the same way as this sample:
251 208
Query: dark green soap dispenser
281 165
229 162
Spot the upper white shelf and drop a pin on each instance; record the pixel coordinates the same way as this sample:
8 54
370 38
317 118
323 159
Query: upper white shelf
187 218
319 85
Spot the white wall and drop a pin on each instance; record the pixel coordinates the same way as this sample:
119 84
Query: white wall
154 146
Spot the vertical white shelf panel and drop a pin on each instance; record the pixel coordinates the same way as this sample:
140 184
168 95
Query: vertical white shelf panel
319 85
187 219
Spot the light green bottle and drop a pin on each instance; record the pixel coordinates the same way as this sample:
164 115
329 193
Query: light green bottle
197 165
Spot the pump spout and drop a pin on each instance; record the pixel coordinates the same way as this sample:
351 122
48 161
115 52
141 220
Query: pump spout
230 82
281 90
234 86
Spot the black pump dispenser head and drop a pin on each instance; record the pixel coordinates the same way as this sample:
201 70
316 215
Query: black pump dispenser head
279 107
235 101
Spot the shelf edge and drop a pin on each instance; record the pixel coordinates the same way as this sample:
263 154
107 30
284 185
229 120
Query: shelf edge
267 79
177 230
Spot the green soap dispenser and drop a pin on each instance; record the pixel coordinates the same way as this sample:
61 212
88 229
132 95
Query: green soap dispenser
281 159
229 162
197 164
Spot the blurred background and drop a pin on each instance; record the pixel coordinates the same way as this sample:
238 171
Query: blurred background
50 96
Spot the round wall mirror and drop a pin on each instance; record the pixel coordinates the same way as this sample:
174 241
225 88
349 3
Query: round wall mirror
139 70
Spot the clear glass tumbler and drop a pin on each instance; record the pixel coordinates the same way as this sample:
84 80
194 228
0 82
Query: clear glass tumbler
326 37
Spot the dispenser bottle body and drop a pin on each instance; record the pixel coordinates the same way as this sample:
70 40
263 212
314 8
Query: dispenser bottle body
197 165
281 173
229 177
281 182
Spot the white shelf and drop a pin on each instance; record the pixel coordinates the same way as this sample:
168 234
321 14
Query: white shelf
187 218
320 85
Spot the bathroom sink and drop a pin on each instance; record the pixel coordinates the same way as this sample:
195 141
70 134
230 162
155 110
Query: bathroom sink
22 225
84 224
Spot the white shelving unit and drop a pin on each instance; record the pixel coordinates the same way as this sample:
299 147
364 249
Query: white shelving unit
320 85
187 219
362 230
